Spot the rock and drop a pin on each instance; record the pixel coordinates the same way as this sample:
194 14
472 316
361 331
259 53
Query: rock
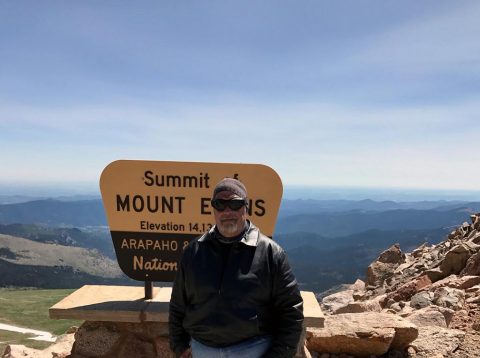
378 272
122 340
472 267
474 299
475 237
476 326
360 341
60 349
396 307
359 290
96 338
72 329
20 351
135 347
359 285
361 334
455 281
455 260
403 268
448 313
421 299
418 252
392 255
407 290
405 311
337 300
383 267
471 235
162 347
360 306
450 298
411 352
435 274
428 317
437 341
359 295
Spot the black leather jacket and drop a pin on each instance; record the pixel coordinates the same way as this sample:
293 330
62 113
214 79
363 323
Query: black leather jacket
226 293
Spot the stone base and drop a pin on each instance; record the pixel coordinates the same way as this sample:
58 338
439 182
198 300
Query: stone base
121 340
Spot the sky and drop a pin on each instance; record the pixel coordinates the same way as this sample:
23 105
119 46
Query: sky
328 93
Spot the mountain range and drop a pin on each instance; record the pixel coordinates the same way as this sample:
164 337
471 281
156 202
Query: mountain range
329 242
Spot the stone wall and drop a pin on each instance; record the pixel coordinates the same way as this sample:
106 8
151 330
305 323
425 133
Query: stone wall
121 340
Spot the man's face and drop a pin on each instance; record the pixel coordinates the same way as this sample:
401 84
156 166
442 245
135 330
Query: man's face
230 222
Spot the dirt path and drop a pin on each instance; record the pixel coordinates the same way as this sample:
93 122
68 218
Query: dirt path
39 335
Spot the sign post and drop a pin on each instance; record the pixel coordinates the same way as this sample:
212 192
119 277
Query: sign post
155 208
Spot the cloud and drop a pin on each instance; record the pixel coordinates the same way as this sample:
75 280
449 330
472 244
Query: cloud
308 142
445 41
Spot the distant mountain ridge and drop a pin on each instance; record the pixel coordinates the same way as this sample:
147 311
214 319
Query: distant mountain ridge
303 206
83 213
25 262
92 239
347 223
55 213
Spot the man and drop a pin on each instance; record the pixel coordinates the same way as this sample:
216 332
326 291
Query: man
235 294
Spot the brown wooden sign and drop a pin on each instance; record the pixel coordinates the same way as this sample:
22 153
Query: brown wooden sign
155 208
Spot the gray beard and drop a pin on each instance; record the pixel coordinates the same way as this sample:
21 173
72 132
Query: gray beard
228 229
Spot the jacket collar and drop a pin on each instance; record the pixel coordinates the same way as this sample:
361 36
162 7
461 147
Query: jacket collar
250 238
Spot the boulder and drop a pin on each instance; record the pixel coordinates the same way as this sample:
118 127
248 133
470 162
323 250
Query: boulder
450 298
378 272
359 290
421 300
472 267
359 285
435 274
428 317
456 259
96 338
361 334
360 306
455 281
407 290
132 346
383 268
402 309
122 340
337 300
393 255
418 252
437 341
359 341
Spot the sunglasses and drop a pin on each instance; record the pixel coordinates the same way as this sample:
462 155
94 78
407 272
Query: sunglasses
222 204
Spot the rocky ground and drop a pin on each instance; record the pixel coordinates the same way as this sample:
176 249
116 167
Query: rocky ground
420 304
60 349
468 320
